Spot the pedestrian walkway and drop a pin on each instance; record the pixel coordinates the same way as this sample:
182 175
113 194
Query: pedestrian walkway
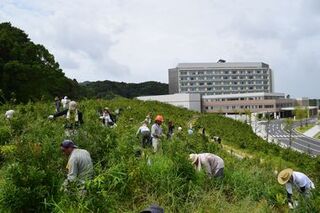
313 131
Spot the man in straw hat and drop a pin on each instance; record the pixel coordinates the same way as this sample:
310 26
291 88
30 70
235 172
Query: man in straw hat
213 164
156 132
291 178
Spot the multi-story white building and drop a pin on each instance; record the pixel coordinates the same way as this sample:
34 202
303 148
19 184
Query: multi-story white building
220 78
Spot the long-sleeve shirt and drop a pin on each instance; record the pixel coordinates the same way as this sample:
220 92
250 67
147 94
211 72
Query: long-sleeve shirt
143 130
210 162
79 166
156 131
300 180
9 114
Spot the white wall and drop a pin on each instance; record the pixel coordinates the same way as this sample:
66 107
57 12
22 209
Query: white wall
189 101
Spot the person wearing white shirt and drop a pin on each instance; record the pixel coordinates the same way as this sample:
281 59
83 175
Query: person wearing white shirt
213 164
108 119
144 131
65 103
295 179
156 132
9 114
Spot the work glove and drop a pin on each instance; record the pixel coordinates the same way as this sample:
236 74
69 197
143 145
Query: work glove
290 205
50 117
293 204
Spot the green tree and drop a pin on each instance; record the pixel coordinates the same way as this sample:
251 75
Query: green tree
28 69
300 114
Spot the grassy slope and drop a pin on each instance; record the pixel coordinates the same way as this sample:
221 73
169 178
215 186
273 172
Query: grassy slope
125 183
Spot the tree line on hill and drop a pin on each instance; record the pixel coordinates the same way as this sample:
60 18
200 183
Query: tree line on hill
29 72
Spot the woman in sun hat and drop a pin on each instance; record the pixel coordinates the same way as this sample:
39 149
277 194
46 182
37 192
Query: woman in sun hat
292 178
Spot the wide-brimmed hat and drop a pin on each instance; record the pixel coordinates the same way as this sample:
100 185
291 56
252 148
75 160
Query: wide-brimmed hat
284 176
73 105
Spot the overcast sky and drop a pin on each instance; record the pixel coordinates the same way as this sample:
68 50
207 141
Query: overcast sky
138 40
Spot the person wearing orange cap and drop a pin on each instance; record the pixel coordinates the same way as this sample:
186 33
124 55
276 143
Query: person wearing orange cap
292 178
156 132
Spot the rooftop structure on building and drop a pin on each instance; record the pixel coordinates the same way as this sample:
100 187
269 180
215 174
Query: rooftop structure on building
221 78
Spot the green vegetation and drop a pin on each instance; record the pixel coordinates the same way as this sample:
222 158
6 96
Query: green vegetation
110 89
301 114
303 129
33 168
27 70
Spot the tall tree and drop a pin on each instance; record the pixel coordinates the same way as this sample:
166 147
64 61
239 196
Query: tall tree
28 69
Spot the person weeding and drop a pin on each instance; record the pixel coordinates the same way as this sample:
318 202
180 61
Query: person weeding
108 119
144 131
57 104
65 103
79 166
292 178
190 131
156 132
170 130
148 118
74 117
213 164
9 114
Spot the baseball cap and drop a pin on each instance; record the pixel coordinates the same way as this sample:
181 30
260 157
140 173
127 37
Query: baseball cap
153 209
68 144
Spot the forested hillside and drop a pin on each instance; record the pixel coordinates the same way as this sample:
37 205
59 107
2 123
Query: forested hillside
109 89
27 70
33 167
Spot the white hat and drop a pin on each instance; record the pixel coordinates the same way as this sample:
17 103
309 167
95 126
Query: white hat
72 105
194 158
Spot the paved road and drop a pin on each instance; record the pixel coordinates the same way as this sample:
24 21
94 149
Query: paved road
299 141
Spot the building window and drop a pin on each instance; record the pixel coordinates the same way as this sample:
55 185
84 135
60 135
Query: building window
184 73
268 106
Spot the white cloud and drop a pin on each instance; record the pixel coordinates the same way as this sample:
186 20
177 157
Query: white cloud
138 40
